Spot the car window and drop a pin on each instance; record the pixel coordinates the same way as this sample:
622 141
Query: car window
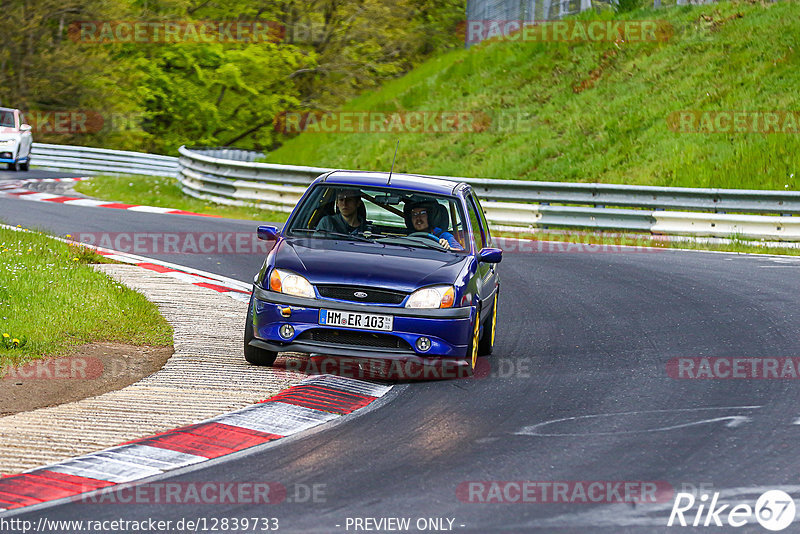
21 119
487 236
475 223
376 212
7 119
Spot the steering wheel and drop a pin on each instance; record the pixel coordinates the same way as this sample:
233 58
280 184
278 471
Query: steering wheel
424 234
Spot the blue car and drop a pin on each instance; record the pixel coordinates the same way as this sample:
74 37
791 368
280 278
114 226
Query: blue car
380 266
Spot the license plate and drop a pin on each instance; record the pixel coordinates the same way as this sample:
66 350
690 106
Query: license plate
366 321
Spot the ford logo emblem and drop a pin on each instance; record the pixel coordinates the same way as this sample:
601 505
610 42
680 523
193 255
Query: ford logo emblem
360 294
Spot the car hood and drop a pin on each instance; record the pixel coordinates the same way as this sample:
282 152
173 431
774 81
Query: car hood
330 261
9 133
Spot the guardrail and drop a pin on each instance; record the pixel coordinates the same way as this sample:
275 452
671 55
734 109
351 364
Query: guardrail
101 160
235 179
525 204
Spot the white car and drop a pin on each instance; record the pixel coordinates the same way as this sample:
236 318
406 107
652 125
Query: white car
15 140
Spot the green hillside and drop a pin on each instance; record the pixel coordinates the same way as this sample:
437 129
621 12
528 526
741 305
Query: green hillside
598 111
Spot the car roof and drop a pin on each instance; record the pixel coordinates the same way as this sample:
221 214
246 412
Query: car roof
415 182
8 109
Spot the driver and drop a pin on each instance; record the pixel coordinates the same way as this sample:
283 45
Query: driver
419 217
347 219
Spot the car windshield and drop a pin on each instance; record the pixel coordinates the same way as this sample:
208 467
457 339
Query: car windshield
383 215
6 119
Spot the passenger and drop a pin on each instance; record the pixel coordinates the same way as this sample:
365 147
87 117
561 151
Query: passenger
347 219
419 216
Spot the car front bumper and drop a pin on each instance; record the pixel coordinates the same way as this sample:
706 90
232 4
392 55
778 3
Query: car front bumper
448 330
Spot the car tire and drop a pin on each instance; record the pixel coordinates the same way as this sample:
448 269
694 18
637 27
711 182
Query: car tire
255 355
474 344
486 344
14 166
25 166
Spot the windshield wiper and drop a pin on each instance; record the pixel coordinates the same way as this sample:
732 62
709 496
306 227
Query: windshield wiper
334 234
411 242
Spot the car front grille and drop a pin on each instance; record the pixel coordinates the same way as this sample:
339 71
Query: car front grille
352 338
373 296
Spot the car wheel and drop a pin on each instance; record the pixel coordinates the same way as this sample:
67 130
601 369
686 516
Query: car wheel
25 166
486 343
13 166
472 350
255 355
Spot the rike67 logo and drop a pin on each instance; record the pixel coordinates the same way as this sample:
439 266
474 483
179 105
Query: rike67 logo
774 510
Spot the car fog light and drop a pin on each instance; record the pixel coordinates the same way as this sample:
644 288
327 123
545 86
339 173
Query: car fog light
423 344
286 331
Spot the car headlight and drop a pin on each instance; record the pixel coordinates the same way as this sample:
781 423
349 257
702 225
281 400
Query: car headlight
290 283
432 297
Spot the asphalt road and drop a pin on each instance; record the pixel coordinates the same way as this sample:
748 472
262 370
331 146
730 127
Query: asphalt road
579 392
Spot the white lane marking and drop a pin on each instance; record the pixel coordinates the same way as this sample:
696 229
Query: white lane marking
184 277
116 257
235 295
108 469
734 422
349 385
164 459
276 418
11 185
151 209
125 463
39 196
85 202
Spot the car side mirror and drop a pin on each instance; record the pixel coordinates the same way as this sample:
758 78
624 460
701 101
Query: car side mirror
490 255
25 128
268 233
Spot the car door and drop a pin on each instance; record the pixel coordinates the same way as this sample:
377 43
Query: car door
493 278
485 281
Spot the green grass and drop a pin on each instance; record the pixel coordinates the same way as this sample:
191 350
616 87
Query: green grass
597 111
166 193
51 301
